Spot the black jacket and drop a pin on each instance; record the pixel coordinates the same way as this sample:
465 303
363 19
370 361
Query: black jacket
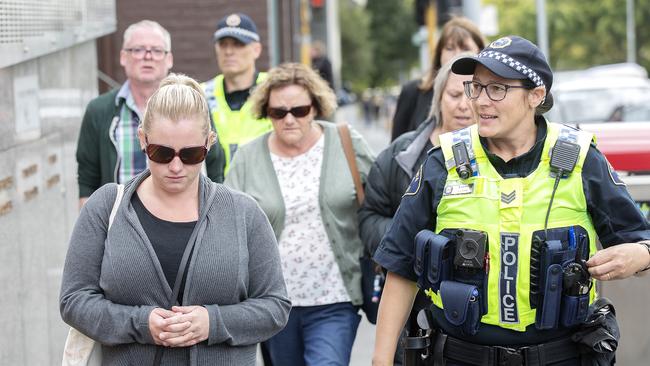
387 181
412 109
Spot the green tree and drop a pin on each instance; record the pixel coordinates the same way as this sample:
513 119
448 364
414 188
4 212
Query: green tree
392 24
356 50
582 33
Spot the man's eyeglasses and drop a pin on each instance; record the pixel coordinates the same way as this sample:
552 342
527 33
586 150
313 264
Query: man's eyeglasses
279 113
164 154
494 91
140 52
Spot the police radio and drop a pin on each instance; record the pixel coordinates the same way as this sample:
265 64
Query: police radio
564 156
470 249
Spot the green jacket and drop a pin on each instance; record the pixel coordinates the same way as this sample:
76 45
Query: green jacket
252 172
97 152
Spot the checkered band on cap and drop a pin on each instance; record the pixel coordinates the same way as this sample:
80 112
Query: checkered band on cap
514 64
229 31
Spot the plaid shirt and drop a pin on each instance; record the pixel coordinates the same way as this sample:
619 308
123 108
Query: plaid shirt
130 158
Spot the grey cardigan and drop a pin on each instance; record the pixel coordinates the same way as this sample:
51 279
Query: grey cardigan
111 283
252 172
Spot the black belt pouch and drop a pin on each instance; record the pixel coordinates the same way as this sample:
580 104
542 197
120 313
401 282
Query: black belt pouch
432 262
461 305
574 309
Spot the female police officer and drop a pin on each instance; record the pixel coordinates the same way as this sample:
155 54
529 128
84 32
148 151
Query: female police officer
518 203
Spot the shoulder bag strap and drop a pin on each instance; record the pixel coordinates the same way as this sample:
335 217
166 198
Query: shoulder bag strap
116 205
346 141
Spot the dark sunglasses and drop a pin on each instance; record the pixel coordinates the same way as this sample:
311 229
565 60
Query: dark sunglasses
298 112
164 154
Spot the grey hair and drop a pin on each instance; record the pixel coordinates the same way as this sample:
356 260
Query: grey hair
439 83
128 33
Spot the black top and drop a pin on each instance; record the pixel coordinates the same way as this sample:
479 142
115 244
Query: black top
614 214
168 239
386 183
413 106
237 98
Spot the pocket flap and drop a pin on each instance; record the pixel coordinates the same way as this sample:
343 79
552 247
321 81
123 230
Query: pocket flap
456 300
421 251
439 251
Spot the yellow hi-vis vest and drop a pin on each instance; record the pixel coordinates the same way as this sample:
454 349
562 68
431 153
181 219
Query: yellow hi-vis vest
509 211
234 128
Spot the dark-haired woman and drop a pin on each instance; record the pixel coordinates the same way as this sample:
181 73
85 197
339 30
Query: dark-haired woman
458 35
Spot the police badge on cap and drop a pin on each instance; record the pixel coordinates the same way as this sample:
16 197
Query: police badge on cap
233 20
501 43
238 26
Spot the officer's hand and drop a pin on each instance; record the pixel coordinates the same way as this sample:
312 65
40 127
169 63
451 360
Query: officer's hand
618 261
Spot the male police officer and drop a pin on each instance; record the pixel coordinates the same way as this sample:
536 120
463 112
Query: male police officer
237 45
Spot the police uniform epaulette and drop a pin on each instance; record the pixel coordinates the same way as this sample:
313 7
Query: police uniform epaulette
431 150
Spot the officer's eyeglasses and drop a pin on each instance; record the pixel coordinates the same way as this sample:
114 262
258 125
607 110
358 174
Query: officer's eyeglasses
494 91
164 154
280 113
140 52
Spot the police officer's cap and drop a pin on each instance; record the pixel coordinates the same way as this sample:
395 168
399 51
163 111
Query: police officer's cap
510 57
239 26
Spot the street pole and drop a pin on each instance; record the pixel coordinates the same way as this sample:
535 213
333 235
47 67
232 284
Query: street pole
274 39
631 35
305 33
542 28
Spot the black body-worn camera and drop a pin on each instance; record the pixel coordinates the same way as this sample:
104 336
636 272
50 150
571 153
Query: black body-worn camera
470 249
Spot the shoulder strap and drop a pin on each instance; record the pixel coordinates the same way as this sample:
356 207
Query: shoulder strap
346 141
118 199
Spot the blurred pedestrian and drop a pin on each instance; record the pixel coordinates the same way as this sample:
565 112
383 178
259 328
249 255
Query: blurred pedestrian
394 168
366 103
188 273
321 63
499 227
237 46
108 149
299 175
458 35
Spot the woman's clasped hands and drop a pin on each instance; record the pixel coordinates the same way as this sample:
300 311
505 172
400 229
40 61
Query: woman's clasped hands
182 326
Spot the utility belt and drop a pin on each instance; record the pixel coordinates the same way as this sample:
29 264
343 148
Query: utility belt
455 264
594 343
443 347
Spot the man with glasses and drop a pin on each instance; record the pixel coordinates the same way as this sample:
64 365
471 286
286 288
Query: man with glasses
237 46
108 149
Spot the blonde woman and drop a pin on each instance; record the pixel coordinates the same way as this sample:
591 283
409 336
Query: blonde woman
299 176
189 272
